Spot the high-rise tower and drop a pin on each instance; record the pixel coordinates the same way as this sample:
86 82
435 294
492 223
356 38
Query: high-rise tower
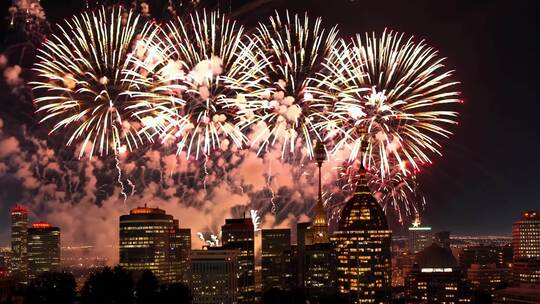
148 240
362 243
19 249
319 228
239 234
43 249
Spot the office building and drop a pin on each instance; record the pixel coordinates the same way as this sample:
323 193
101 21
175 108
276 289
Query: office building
43 249
239 234
442 238
526 236
320 273
19 237
214 276
487 278
149 240
420 237
179 254
436 278
275 245
362 243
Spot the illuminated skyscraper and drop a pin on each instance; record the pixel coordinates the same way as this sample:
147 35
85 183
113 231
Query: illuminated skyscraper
146 238
239 234
420 237
19 237
214 276
43 249
362 243
526 236
276 243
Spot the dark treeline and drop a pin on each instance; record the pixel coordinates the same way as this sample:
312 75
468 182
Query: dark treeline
108 286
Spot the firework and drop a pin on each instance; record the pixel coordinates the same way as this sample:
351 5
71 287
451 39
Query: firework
294 49
195 94
80 84
391 97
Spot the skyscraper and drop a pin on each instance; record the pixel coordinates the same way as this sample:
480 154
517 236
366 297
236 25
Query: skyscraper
420 237
180 249
43 249
214 276
146 235
239 234
275 245
302 239
362 243
19 237
526 236
320 273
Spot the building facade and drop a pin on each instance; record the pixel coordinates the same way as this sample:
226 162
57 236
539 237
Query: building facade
19 251
275 245
43 249
526 236
214 276
487 278
362 243
239 234
320 274
149 240
419 238
436 278
180 250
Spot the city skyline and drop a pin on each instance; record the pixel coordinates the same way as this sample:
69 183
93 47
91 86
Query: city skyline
243 151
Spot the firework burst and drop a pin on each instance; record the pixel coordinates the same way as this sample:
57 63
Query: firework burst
195 95
391 98
80 84
294 49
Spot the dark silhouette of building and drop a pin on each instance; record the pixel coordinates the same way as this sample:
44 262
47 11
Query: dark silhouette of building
276 246
180 251
486 278
150 239
302 232
501 256
436 278
442 238
526 272
239 234
526 236
320 274
19 237
419 237
43 249
362 243
518 295
214 275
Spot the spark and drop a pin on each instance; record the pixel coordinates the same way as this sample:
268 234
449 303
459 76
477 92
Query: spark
295 48
392 100
80 86
196 92
256 219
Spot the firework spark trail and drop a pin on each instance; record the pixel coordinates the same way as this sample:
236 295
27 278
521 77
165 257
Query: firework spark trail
391 98
202 84
206 173
255 219
80 84
294 47
119 178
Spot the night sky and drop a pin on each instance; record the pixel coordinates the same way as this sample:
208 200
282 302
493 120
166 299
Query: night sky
489 170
